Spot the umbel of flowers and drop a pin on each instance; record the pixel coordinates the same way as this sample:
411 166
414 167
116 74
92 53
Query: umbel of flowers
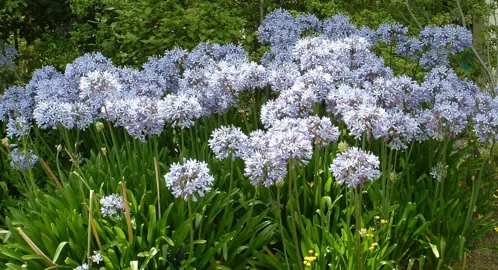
355 167
189 180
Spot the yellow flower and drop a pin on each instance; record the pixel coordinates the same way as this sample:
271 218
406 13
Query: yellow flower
310 251
316 254
373 246
363 232
376 217
383 221
310 258
496 228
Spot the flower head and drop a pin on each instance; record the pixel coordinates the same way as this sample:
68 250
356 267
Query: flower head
355 167
180 110
192 178
228 141
439 171
338 27
96 87
96 257
22 161
7 55
322 130
18 127
82 267
112 205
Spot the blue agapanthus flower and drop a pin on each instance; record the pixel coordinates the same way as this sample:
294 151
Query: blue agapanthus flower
180 110
228 141
23 160
18 127
355 167
85 64
7 55
161 75
291 141
339 27
392 33
261 164
189 179
16 101
112 206
322 130
140 116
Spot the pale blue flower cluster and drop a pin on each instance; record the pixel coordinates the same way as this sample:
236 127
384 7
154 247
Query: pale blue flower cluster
7 55
23 160
485 119
442 41
355 167
96 257
339 27
228 141
82 267
261 165
18 127
190 179
322 130
392 33
439 171
112 206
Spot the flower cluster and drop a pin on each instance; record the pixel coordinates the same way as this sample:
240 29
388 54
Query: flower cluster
7 55
112 206
23 160
96 257
443 41
191 179
82 267
439 171
355 167
228 141
392 33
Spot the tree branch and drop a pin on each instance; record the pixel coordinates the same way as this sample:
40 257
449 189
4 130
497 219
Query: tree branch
413 16
488 73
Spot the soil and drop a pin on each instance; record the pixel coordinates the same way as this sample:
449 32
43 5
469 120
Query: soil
484 259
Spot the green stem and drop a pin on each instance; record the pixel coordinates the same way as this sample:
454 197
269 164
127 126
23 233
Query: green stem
231 175
182 143
281 226
293 216
191 223
359 248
